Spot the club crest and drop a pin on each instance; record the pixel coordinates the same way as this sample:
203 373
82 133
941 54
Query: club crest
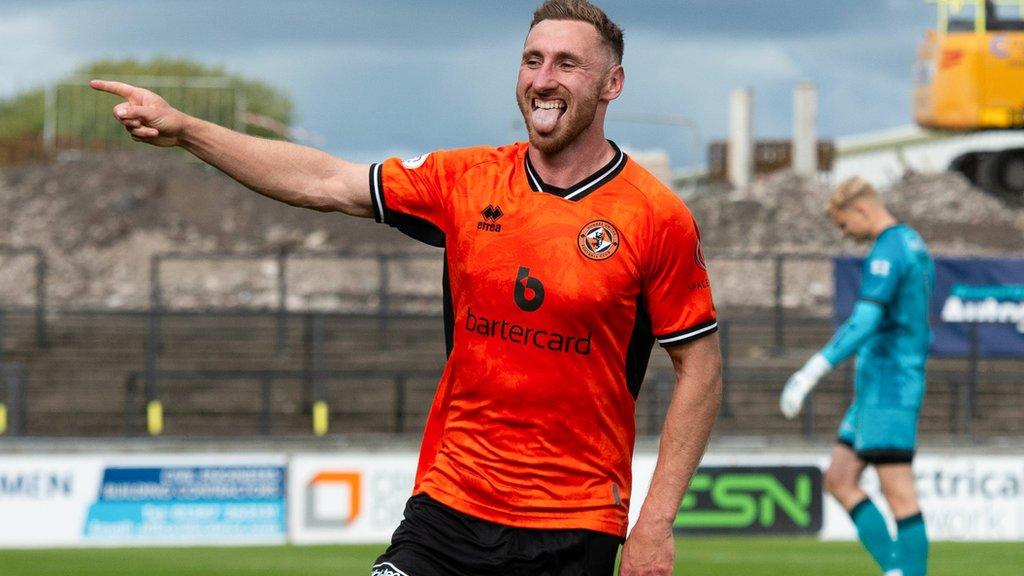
598 240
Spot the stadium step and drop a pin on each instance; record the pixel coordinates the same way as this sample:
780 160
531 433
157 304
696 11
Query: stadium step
76 386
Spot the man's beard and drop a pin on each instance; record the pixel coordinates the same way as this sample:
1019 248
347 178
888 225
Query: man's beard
574 121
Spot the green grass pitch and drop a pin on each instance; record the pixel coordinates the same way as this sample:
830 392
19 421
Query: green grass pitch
697 556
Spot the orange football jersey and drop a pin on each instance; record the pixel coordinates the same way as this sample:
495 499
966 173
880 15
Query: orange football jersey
553 299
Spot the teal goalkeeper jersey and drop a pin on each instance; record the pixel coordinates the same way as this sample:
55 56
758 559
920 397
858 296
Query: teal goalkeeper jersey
898 276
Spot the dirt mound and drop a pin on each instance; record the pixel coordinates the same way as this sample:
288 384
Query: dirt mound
99 218
783 213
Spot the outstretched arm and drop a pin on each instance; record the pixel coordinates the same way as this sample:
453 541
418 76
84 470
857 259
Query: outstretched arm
650 548
287 172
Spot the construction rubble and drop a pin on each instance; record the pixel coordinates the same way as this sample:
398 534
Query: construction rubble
99 219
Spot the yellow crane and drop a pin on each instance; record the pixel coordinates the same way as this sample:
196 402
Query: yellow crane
970 77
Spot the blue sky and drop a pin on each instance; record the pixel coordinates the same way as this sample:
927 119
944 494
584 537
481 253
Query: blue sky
399 78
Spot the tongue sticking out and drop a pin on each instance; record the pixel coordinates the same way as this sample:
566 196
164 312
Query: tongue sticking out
544 120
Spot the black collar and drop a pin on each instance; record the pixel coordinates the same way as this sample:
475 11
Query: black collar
585 187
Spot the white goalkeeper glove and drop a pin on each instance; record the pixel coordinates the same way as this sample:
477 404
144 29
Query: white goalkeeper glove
800 385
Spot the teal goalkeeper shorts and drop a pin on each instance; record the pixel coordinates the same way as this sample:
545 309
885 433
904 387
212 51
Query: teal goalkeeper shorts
880 434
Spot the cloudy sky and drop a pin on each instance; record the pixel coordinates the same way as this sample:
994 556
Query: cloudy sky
388 77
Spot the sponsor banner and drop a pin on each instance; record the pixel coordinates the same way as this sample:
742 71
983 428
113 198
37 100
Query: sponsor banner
359 498
752 500
43 500
963 498
983 296
978 498
123 500
188 503
348 498
109 500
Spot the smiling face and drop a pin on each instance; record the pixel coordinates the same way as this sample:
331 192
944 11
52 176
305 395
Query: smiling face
566 79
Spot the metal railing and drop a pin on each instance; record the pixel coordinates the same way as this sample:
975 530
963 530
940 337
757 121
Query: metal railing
336 367
78 117
957 381
151 395
40 269
762 342
383 294
12 398
383 297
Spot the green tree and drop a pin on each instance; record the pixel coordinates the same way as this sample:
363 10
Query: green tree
23 114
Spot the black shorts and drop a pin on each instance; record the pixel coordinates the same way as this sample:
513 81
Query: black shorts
434 540
880 456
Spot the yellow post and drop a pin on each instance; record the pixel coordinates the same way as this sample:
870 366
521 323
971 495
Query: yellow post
3 419
943 18
155 418
980 23
320 418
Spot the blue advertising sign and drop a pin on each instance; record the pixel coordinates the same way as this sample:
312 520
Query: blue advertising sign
974 297
187 503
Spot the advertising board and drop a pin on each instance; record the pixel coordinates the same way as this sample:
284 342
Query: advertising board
974 298
963 498
752 500
353 497
69 500
348 498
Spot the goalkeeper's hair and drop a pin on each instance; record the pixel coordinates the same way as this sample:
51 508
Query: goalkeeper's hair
584 11
850 191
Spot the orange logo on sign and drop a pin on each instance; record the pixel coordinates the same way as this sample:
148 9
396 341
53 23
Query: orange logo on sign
348 483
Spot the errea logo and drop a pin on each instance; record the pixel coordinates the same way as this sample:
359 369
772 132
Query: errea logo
491 216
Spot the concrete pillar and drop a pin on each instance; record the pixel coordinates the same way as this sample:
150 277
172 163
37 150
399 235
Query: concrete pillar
805 130
50 118
741 138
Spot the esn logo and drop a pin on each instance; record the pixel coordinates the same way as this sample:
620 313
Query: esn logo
752 500
529 292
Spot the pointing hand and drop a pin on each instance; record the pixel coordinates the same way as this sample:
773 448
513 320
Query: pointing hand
144 114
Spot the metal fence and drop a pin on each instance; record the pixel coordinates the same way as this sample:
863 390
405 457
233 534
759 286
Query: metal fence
78 117
225 374
400 283
12 398
183 367
392 283
12 282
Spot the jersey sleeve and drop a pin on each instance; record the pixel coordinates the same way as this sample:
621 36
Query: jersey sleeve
677 290
880 277
861 324
415 195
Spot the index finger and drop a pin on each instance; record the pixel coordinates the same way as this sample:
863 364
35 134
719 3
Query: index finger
118 88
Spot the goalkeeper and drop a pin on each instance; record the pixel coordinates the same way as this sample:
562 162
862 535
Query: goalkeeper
889 332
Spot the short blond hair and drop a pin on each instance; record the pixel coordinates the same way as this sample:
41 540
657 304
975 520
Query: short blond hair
850 191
